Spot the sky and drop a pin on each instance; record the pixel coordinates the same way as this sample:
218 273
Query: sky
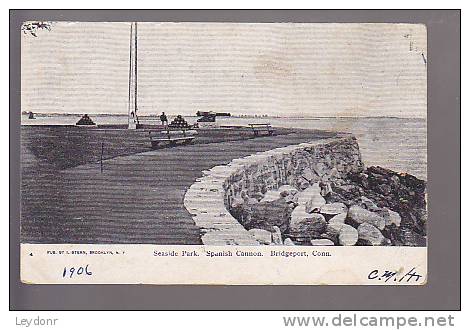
286 69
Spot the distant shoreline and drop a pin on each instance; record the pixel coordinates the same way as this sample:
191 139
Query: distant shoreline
55 114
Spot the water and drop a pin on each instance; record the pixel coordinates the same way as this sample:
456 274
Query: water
396 143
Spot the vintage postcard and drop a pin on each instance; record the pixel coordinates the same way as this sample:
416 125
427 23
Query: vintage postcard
223 153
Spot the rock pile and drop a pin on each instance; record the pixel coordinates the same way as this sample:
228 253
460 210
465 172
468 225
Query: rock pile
315 193
373 207
399 198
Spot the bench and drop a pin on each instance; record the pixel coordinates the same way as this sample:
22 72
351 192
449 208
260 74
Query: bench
262 128
172 138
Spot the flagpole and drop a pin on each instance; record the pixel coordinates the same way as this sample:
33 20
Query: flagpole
135 75
130 78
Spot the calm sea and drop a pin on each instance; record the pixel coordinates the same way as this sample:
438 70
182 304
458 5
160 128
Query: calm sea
395 143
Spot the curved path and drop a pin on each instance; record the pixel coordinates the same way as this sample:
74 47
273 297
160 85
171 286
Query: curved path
137 199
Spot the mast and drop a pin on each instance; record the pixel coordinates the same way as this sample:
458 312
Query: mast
130 82
135 75
133 119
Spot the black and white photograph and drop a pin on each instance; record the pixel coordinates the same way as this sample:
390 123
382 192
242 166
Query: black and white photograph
258 136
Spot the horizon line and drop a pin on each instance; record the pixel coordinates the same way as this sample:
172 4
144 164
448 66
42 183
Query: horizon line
232 115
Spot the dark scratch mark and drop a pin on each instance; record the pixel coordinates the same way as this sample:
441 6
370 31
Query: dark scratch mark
424 59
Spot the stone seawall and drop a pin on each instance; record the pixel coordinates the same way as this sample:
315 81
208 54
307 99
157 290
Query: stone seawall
209 199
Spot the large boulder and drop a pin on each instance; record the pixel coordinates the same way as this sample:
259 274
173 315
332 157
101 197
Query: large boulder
333 208
305 226
368 204
370 235
261 235
277 236
266 215
242 209
346 193
315 203
288 242
347 236
359 215
339 218
341 234
321 242
392 217
311 199
307 194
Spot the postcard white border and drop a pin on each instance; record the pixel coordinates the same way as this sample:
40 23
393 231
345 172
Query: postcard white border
168 264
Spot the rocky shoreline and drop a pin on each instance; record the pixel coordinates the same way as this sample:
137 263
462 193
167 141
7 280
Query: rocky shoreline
313 193
328 206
